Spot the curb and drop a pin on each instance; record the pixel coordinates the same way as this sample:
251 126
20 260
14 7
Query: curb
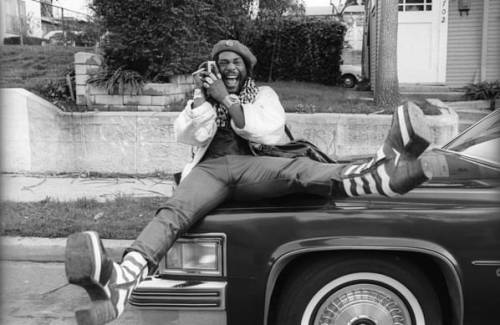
37 249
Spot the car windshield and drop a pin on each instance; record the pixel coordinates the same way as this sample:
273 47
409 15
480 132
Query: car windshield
481 141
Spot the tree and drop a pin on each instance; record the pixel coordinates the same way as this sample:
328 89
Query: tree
338 10
386 78
279 7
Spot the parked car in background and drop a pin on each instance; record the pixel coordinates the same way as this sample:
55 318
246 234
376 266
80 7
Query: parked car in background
350 75
68 38
431 256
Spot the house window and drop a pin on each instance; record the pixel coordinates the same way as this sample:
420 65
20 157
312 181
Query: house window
415 5
46 8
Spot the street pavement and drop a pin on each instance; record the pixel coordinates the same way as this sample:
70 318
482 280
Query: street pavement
34 288
36 294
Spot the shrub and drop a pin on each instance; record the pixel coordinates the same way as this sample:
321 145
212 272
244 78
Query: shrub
160 38
118 81
484 90
298 48
57 90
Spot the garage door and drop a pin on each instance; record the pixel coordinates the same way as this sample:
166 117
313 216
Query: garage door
422 41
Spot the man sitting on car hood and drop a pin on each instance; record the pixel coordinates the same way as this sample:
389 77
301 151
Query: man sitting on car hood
227 111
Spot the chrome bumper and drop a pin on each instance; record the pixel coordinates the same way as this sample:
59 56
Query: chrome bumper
183 302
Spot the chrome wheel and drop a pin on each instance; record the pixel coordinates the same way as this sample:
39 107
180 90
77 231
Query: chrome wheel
378 290
366 303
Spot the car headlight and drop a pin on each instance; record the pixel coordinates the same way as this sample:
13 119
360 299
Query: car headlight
196 255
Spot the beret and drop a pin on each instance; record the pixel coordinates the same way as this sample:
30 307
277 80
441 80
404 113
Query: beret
236 47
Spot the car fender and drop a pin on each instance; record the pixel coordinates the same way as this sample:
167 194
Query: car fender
285 253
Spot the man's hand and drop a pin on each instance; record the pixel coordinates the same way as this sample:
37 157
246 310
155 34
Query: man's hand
215 86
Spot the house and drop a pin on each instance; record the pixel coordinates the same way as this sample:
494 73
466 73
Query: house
20 17
35 18
443 42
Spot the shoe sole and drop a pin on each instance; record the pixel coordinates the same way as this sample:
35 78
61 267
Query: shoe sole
83 268
415 133
98 314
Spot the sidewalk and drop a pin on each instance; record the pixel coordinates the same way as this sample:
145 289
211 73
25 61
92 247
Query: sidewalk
29 188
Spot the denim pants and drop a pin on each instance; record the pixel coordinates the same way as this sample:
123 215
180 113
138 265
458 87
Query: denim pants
230 177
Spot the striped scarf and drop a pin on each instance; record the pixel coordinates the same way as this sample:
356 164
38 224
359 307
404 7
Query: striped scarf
247 95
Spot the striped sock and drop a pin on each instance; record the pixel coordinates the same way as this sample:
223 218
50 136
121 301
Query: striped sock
366 179
126 276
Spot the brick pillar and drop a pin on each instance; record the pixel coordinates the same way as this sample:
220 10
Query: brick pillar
85 63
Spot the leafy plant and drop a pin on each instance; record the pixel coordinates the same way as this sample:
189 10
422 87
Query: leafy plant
53 89
484 90
160 38
58 90
118 81
277 41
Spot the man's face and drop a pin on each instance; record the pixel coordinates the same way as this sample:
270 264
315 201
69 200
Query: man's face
233 70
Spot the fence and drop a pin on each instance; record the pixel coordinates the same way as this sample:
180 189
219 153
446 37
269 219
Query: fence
39 22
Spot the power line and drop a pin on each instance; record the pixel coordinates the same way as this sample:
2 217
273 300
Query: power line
65 9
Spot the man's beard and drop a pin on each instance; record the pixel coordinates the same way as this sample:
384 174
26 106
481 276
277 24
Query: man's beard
234 85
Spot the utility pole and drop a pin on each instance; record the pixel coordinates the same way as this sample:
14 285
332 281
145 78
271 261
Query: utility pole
63 26
2 22
20 14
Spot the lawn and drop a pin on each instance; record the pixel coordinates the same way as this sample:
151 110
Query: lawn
31 67
27 66
122 218
306 97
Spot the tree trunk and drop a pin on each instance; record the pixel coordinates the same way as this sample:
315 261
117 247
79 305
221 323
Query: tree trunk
386 84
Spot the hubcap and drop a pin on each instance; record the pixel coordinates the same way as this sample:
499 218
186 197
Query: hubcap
363 304
363 298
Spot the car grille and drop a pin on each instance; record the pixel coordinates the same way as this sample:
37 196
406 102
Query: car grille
158 293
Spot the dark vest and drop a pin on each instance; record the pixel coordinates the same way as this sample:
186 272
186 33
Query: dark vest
226 142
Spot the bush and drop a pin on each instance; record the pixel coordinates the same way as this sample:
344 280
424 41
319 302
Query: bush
160 38
484 90
27 40
298 48
118 81
57 90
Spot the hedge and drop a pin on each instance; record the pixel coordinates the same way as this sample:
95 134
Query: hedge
160 38
303 49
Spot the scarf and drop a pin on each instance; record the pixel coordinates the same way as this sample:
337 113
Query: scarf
247 95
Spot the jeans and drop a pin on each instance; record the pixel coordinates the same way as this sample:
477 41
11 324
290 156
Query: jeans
231 177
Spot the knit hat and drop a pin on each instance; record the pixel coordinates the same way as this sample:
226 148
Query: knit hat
236 47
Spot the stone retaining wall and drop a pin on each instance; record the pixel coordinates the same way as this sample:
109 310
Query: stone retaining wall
155 97
38 137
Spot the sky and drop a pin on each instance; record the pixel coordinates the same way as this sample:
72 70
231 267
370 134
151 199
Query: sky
321 3
317 3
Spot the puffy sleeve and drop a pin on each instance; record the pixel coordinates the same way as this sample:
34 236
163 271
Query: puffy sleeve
195 126
264 118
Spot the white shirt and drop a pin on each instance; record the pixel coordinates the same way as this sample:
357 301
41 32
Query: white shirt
264 123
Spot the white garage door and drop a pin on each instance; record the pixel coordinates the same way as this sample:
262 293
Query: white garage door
422 33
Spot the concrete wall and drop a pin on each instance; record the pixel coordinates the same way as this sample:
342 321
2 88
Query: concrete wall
155 97
38 137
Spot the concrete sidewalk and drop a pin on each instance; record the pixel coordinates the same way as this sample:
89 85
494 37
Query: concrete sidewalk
29 188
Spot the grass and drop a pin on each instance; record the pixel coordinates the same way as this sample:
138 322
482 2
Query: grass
122 218
30 67
26 66
307 97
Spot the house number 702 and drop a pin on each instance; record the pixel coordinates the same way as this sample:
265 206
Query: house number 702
443 11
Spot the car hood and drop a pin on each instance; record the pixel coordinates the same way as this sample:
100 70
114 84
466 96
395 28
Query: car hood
457 180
